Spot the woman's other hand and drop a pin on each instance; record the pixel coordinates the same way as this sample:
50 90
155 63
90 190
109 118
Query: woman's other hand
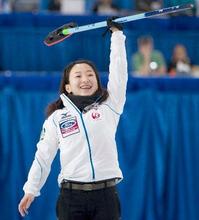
25 204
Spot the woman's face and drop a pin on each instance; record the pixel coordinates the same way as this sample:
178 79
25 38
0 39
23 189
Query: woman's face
180 52
82 80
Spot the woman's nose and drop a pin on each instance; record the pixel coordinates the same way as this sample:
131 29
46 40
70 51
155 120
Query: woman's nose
85 79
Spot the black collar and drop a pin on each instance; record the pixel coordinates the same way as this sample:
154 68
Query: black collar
84 101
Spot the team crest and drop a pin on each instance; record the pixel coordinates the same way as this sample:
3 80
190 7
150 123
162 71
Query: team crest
69 126
95 115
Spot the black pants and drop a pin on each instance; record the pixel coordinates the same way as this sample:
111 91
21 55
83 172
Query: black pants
100 204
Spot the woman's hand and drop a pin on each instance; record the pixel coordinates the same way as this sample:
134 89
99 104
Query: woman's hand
114 26
25 204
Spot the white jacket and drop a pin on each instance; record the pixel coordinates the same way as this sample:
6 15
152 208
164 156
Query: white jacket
86 141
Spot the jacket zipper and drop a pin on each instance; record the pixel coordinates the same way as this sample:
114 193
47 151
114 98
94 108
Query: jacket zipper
86 134
89 147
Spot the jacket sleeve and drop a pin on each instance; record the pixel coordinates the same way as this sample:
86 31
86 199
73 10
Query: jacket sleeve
46 150
118 73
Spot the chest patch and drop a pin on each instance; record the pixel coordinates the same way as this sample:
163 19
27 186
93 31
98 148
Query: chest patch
69 126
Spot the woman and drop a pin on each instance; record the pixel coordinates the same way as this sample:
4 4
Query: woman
180 63
82 125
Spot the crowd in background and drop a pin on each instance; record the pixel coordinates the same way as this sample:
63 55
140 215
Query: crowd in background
94 6
150 62
147 60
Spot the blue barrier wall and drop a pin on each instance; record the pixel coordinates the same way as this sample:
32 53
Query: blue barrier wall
157 143
22 35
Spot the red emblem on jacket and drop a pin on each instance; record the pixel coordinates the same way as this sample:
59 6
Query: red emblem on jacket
95 115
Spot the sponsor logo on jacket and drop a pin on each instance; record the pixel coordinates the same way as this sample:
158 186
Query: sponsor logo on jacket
95 115
42 134
69 126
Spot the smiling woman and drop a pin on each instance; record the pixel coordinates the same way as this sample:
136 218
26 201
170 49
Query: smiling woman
76 125
82 80
81 84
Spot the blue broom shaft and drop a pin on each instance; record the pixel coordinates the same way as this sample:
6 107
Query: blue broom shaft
130 18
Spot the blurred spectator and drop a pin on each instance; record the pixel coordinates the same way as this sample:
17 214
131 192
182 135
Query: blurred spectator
24 6
180 62
148 61
72 6
148 5
197 8
5 6
54 5
105 7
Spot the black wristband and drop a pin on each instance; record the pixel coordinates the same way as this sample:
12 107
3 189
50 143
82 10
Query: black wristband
111 23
